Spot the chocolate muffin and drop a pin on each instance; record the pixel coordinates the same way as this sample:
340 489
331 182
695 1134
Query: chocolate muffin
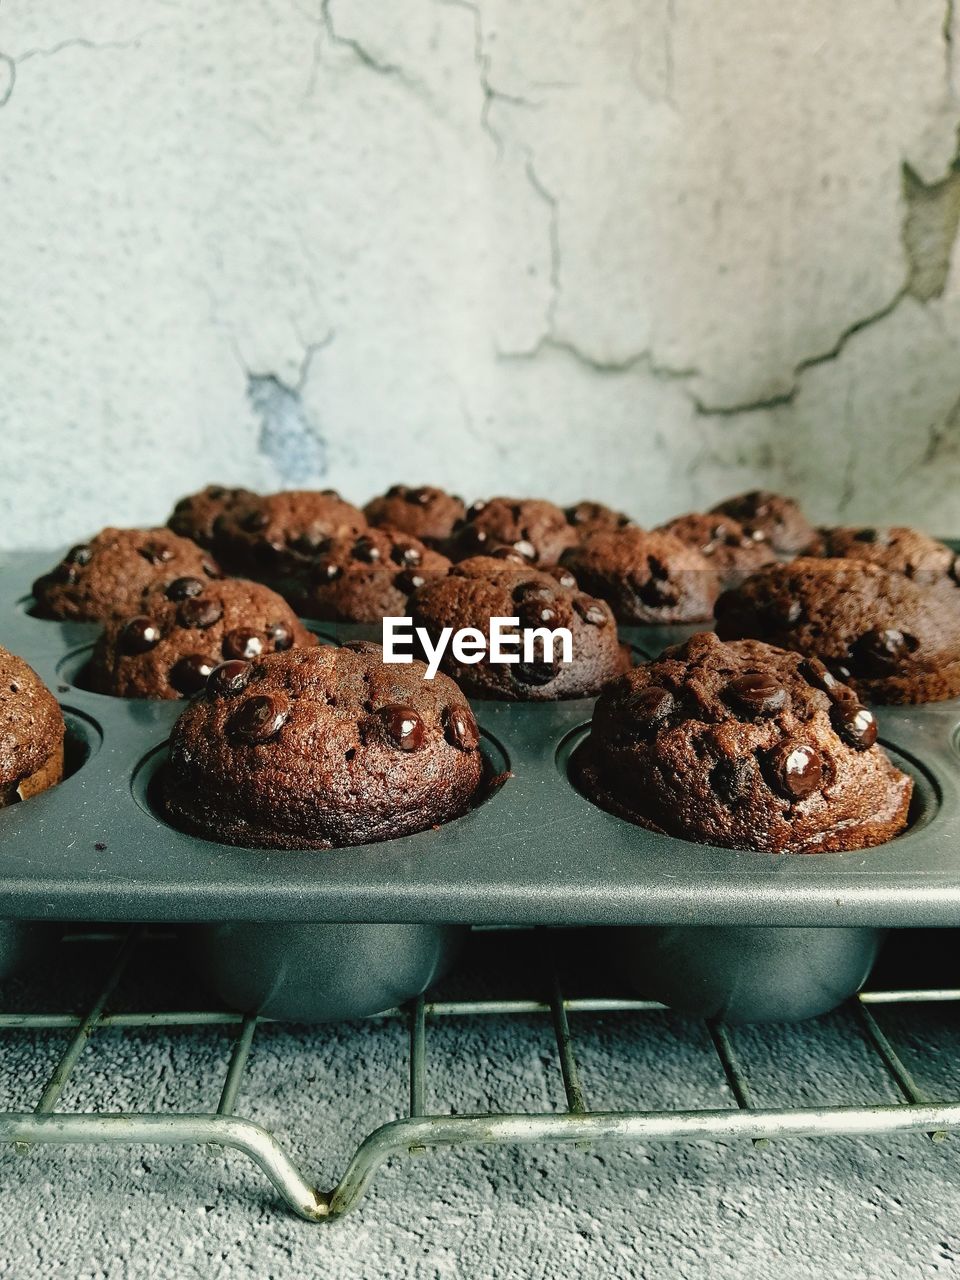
535 529
195 515
266 537
425 512
482 588
107 576
733 552
363 577
186 628
743 745
645 577
589 517
317 748
778 518
31 732
899 549
890 639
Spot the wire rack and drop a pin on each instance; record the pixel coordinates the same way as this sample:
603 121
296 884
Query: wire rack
418 1131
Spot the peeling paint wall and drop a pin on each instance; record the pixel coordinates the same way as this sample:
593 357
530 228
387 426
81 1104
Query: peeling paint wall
649 251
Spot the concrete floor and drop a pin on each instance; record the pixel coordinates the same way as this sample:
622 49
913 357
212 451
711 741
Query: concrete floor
804 1209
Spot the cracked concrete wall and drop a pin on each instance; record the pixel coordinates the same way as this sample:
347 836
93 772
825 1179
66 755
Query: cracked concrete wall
643 250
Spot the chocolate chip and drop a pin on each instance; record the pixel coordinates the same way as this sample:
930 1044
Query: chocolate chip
258 719
210 569
310 544
184 588
409 581
757 695
366 549
403 725
155 553
507 553
420 496
534 673
733 780
865 535
229 677
657 589
651 705
242 643
406 554
795 770
855 724
955 570
525 548
327 571
563 576
64 573
881 650
460 728
197 612
139 635
280 635
81 554
254 521
474 509
590 611
189 675
216 491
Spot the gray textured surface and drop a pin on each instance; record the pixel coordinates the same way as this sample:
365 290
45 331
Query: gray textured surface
812 1209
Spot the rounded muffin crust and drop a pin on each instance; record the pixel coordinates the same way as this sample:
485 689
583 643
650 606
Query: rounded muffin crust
195 515
535 529
890 639
898 548
590 517
321 748
271 535
646 577
107 576
745 746
363 577
482 588
778 518
31 732
187 628
424 511
733 552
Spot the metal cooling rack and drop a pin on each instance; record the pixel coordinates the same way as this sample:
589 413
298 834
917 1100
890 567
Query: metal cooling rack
418 1131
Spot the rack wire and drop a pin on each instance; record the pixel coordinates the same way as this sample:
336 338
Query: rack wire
419 1131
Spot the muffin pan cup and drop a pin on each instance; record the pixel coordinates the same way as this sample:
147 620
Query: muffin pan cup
535 852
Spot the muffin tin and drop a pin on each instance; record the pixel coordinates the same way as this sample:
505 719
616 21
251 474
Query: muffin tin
535 851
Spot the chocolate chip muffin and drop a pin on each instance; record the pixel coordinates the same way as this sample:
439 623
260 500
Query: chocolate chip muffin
266 537
425 512
195 515
645 577
899 549
589 517
745 746
363 577
107 576
482 588
184 630
535 529
733 552
318 748
778 518
891 639
31 732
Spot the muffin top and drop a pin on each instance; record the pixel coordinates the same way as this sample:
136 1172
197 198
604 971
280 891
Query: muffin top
315 748
362 577
588 517
482 588
535 529
745 746
195 515
899 549
425 512
107 576
891 639
31 730
645 576
778 518
186 628
733 552
264 536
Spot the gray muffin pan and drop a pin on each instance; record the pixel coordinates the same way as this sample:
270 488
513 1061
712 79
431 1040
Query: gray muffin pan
723 932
